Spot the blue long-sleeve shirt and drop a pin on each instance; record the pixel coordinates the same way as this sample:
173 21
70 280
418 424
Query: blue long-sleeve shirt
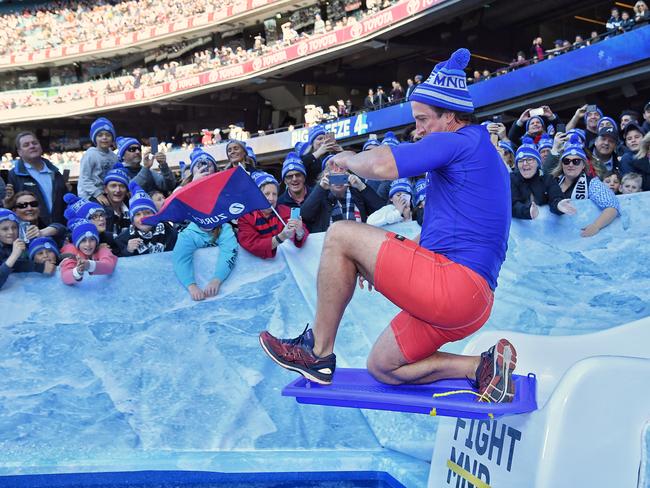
193 238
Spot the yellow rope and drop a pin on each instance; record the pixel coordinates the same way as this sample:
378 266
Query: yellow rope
458 392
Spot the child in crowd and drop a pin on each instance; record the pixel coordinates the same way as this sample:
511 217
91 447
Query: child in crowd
262 232
44 250
400 195
194 237
158 198
96 161
86 254
631 183
613 181
140 238
78 208
12 249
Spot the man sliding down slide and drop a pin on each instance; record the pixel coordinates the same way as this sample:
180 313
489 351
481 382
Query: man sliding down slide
445 285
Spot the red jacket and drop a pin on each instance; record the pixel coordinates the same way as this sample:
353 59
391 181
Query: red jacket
256 231
104 259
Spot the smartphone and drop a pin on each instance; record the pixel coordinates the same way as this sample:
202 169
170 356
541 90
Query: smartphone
592 108
295 213
22 231
153 142
66 175
560 128
338 179
407 197
497 119
536 112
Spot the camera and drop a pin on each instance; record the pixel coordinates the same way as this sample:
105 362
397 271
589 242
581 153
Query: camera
22 231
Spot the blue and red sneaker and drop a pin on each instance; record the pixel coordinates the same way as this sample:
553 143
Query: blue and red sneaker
494 373
298 355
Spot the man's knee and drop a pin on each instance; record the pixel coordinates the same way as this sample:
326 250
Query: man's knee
381 371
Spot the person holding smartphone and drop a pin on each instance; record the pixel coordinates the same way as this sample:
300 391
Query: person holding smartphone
532 122
443 280
139 168
261 232
319 145
339 195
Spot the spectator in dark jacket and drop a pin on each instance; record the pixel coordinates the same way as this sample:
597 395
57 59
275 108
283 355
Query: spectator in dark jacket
320 144
34 173
529 188
129 152
329 203
531 125
294 175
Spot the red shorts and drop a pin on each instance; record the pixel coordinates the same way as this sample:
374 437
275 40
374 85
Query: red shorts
441 301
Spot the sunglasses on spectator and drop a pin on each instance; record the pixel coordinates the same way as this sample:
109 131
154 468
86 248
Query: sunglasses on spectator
292 176
97 215
574 162
33 204
134 149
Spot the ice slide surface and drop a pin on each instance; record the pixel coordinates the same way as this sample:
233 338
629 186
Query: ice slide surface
126 372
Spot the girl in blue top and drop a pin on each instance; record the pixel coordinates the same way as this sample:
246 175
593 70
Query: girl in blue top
192 238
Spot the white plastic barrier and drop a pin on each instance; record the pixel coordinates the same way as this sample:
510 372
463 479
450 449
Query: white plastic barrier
593 399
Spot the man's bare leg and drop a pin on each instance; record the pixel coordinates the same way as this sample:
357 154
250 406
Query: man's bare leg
350 248
388 365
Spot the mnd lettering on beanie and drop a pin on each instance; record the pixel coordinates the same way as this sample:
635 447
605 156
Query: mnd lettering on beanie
79 208
446 87
117 174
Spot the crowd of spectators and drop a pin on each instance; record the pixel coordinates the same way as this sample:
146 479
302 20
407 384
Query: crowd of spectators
235 52
63 22
44 226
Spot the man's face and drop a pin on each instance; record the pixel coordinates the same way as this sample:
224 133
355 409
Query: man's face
625 119
270 191
45 256
8 232
295 181
428 121
29 148
592 120
133 155
633 140
605 145
527 167
115 191
535 126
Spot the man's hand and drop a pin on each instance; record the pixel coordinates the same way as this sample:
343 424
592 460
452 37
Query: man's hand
32 232
566 207
341 159
288 232
103 200
212 288
558 142
296 225
325 182
525 115
196 293
580 113
134 244
9 194
590 230
355 182
161 158
147 161
548 113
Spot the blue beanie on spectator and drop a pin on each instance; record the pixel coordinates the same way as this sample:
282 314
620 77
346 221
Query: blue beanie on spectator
140 200
118 174
314 132
389 139
300 148
325 161
545 142
8 215
200 156
607 119
446 87
420 190
123 143
370 143
251 154
507 145
528 150
400 184
262 178
238 142
578 132
79 208
81 229
538 118
40 243
102 123
600 112
574 148
293 163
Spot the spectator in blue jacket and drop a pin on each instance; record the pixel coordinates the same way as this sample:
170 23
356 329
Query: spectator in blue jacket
192 238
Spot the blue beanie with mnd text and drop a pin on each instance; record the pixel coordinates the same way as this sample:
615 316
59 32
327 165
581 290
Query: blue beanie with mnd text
528 150
79 208
140 200
446 87
262 178
293 163
117 174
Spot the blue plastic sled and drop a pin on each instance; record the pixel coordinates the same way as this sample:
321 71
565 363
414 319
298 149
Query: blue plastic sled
357 389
